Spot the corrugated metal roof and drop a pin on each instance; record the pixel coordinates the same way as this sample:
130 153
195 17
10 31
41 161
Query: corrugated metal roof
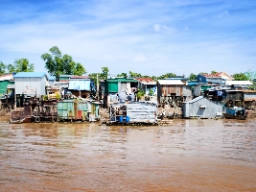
124 80
191 83
79 85
66 75
238 83
146 80
30 74
170 82
196 99
80 77
52 78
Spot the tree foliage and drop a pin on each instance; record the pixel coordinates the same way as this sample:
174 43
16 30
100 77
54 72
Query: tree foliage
251 75
167 75
20 65
2 68
240 76
101 76
57 65
192 77
140 94
104 74
122 75
134 75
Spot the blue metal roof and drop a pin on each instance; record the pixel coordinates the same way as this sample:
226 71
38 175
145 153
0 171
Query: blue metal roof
30 74
52 78
79 85
192 83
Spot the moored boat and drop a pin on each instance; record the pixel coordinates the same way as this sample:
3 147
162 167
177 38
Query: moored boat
235 113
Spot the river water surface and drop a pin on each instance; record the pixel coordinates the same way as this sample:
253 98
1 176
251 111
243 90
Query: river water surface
187 155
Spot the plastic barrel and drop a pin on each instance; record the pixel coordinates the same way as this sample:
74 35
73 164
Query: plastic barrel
127 119
121 119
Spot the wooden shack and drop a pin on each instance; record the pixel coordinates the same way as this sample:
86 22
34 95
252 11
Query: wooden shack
173 91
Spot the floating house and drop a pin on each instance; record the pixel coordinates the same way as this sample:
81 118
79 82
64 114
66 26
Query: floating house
78 109
31 83
173 90
208 81
6 92
148 85
119 89
133 113
202 107
80 86
51 80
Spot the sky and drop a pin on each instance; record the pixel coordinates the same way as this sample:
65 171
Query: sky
148 37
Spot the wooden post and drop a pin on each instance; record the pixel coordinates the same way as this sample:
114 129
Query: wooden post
97 92
15 99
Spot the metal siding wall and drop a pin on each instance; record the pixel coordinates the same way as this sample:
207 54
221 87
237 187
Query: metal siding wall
37 84
186 91
185 110
65 108
251 96
3 86
112 87
209 112
141 112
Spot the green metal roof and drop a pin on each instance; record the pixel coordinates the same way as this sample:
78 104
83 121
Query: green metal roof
124 80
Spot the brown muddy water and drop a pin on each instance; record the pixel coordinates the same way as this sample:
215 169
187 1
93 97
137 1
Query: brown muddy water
187 155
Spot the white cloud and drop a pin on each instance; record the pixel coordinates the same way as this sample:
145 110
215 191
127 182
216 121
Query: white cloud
114 34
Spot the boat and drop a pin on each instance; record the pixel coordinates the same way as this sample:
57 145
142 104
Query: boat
235 113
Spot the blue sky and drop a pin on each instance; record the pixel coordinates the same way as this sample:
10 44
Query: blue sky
148 37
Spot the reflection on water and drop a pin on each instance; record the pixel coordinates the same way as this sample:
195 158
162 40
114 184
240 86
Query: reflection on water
187 155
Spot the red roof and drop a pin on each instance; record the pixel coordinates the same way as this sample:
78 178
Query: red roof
145 79
217 75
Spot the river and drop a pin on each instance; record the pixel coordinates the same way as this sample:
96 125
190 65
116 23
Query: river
186 155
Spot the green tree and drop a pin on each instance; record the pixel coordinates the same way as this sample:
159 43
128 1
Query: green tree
79 69
140 94
57 65
134 75
192 77
251 75
2 68
151 92
104 74
167 75
122 75
214 72
21 65
240 76
101 76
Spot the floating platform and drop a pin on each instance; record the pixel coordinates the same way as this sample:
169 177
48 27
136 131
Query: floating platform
117 123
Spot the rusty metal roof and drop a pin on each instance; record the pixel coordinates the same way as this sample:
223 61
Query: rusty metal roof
146 80
80 77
